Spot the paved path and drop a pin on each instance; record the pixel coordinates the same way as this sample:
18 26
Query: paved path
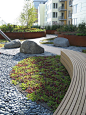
48 48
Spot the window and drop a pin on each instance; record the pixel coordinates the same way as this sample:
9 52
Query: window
75 9
50 15
54 22
46 18
69 22
55 5
46 6
50 6
74 21
54 14
81 7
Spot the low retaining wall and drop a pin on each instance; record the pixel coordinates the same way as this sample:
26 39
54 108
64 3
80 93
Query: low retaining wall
24 35
75 40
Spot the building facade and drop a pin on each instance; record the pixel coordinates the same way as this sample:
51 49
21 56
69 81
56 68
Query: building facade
79 12
55 12
41 14
69 12
62 11
36 4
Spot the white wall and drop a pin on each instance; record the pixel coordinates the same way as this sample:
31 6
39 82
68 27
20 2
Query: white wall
41 14
80 16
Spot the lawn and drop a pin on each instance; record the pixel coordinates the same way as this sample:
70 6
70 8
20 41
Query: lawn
44 79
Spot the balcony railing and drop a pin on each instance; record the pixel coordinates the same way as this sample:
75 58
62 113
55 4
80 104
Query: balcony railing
61 18
70 15
70 3
61 8
62 0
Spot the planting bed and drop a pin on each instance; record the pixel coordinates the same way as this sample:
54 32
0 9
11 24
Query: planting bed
75 40
43 79
24 35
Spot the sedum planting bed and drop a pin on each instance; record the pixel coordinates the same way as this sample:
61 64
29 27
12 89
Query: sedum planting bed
43 79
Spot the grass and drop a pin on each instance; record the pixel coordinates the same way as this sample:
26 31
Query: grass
1 45
3 41
84 51
47 41
44 79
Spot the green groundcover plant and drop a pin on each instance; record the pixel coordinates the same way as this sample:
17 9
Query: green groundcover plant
17 28
44 78
84 51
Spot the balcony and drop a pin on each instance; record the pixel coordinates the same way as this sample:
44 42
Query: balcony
62 0
61 8
61 18
70 15
70 3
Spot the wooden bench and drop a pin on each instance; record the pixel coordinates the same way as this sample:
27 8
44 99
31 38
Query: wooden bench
74 101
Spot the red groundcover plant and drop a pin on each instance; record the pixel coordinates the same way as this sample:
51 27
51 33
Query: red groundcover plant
43 77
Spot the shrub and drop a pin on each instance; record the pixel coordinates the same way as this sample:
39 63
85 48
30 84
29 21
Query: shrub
36 27
82 28
7 28
53 27
17 28
48 27
81 34
67 28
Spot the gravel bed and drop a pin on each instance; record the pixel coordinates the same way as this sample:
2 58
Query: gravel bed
12 102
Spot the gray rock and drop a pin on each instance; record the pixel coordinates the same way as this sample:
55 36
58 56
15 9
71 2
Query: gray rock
30 47
13 44
62 42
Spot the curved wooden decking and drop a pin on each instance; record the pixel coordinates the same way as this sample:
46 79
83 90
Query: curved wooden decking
74 102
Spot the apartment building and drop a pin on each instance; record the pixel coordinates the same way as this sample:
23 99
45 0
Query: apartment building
51 12
36 4
55 12
79 11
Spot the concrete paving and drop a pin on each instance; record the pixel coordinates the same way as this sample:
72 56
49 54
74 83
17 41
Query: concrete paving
53 49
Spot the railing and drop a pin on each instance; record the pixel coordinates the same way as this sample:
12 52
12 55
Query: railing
61 18
70 3
62 8
62 0
70 15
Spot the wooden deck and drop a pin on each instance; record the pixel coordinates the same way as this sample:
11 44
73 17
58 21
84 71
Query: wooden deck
74 102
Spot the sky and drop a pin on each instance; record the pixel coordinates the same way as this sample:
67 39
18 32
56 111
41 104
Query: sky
10 10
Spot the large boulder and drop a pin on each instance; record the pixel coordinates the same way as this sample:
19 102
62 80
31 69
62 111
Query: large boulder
30 47
61 42
13 44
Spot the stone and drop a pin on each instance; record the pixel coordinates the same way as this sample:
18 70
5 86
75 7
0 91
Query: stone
30 47
13 44
61 42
